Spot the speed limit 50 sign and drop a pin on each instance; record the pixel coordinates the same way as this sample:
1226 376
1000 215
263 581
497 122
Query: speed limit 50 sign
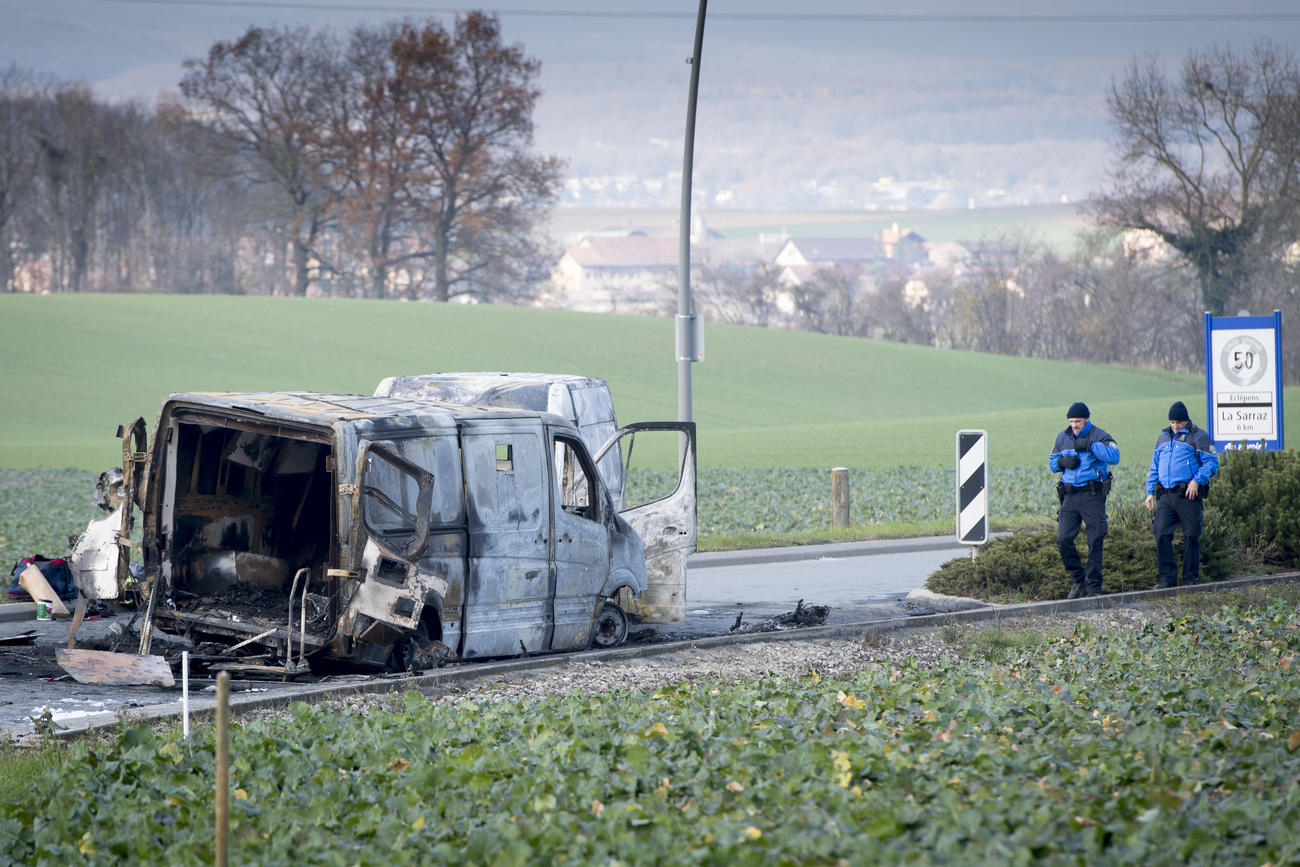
1243 382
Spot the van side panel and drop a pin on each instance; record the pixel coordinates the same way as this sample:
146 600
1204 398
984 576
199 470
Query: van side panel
446 557
509 594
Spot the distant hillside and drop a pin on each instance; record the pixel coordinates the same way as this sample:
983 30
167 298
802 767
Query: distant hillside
77 366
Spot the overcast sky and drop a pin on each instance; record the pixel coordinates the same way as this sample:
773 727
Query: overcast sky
816 103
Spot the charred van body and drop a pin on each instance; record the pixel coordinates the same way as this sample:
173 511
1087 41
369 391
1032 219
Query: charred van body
383 531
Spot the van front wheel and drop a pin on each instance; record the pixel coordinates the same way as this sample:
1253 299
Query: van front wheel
610 629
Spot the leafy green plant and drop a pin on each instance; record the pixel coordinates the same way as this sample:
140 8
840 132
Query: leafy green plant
40 509
1173 743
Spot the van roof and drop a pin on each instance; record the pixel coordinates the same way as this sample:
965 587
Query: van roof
327 409
528 390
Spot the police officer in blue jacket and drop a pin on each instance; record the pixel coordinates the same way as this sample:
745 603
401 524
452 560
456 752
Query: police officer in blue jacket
1181 467
1083 455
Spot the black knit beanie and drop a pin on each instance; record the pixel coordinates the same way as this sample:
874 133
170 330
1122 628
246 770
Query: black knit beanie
1178 412
1078 409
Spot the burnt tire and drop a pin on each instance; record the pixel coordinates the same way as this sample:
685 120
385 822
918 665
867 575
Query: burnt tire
610 628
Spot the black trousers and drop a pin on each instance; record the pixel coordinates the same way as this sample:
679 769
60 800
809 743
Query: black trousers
1173 511
1082 507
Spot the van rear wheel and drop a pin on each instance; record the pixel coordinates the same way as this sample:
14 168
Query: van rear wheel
610 629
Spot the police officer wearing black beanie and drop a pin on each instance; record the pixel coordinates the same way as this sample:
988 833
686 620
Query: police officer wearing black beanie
1181 467
1083 455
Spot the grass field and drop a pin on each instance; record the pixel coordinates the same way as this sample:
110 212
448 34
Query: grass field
74 367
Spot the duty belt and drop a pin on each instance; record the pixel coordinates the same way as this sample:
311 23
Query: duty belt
1181 490
1100 488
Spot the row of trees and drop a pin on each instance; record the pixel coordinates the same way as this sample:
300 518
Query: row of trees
1103 303
393 161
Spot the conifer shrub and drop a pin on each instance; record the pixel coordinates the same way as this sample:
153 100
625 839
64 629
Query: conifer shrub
1257 494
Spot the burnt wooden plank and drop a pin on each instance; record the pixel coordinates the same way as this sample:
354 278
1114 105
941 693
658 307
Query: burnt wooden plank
102 666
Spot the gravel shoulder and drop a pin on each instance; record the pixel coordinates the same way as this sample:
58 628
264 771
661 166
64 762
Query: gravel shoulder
761 659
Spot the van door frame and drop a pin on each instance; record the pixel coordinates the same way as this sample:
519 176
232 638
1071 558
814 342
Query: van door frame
574 612
668 527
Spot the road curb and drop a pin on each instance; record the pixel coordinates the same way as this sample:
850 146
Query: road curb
826 552
12 612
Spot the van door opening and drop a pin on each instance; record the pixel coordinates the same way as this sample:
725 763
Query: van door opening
246 530
659 502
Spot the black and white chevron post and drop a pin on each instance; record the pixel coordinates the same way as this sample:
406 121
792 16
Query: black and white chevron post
972 487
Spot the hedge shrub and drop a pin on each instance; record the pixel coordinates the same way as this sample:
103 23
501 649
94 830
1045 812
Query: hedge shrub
1251 526
1258 494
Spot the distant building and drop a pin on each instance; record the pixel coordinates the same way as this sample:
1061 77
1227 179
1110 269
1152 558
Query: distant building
950 256
904 246
798 260
1143 245
631 273
828 251
892 251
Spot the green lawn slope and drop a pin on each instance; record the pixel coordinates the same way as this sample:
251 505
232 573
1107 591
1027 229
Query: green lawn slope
74 367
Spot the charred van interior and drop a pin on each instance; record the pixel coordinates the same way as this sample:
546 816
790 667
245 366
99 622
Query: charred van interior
245 510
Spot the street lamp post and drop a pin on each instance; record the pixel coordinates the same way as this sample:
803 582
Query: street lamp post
688 326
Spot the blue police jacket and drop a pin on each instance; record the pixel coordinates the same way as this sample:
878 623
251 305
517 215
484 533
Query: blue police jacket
1096 450
1182 457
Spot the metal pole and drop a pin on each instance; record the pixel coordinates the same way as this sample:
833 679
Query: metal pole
685 313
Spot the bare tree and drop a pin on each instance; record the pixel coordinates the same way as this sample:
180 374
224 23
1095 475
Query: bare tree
265 93
904 308
1128 306
833 302
73 132
195 217
989 301
737 293
370 155
1209 161
468 98
20 99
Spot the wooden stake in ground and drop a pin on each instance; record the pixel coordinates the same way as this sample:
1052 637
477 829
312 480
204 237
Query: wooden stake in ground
223 770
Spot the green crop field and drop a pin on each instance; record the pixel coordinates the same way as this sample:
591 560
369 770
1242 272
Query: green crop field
776 409
74 367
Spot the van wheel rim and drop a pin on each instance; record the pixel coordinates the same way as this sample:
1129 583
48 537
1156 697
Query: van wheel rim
611 626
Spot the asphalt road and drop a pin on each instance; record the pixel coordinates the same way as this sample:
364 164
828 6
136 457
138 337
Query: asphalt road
860 582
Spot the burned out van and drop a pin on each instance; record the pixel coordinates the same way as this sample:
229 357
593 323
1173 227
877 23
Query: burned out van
383 531
587 403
